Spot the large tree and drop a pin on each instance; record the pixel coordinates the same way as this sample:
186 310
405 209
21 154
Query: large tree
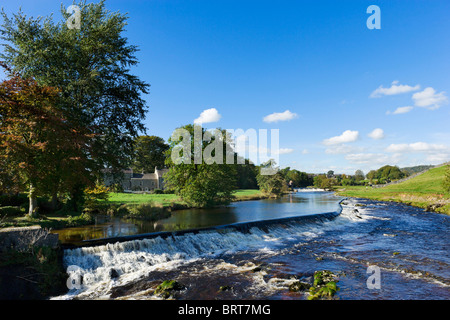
36 141
273 185
149 152
199 181
91 68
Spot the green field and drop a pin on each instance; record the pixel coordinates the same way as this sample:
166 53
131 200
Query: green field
168 199
424 191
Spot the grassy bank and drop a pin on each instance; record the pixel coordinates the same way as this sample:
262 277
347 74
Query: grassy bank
171 199
424 191
132 205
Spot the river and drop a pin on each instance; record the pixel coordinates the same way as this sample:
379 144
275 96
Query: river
408 246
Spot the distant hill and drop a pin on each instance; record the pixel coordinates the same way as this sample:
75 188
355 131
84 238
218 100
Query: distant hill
411 170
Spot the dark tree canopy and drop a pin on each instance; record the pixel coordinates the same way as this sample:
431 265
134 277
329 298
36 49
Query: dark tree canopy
149 152
91 69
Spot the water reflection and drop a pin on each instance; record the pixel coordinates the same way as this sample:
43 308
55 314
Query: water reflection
295 204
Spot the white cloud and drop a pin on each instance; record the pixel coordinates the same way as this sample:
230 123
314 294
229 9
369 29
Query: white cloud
395 88
428 98
438 158
285 150
401 110
366 157
346 136
283 116
305 151
207 116
373 159
342 149
377 134
416 147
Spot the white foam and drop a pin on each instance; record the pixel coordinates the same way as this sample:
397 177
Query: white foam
135 259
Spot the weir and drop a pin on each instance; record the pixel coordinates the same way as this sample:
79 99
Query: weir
243 227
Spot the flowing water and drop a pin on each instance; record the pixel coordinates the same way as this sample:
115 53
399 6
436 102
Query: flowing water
296 204
409 247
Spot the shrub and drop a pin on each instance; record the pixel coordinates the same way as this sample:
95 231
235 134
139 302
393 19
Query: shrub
158 191
147 211
118 211
13 200
82 219
10 211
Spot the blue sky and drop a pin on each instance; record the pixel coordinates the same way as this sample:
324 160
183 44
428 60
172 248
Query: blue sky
314 65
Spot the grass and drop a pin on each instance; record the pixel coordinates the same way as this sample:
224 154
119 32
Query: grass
139 198
169 199
158 202
424 191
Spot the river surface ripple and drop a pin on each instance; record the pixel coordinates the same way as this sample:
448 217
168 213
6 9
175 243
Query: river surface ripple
408 245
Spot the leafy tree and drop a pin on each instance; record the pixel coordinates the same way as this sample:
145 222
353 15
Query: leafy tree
330 174
321 181
359 175
372 175
299 179
36 140
91 69
272 185
201 184
149 152
390 173
246 175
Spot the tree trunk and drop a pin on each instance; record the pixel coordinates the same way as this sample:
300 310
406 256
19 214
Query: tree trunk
32 211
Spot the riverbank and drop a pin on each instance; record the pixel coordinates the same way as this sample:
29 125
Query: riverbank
143 206
425 191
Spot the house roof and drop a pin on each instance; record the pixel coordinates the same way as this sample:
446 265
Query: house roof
144 176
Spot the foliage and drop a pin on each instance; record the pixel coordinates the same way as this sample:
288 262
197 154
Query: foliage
203 184
36 140
273 185
93 196
246 175
386 173
10 211
416 169
97 94
13 200
323 182
168 288
299 179
44 271
359 175
147 211
324 285
149 152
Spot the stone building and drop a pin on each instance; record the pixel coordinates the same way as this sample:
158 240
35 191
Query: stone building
132 181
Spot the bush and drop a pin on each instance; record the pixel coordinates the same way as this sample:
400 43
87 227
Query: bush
158 191
148 211
82 219
10 211
13 200
118 211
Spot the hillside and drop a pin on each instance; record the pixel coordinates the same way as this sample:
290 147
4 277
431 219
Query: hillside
424 191
416 169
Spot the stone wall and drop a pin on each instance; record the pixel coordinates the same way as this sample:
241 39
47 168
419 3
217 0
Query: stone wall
21 239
